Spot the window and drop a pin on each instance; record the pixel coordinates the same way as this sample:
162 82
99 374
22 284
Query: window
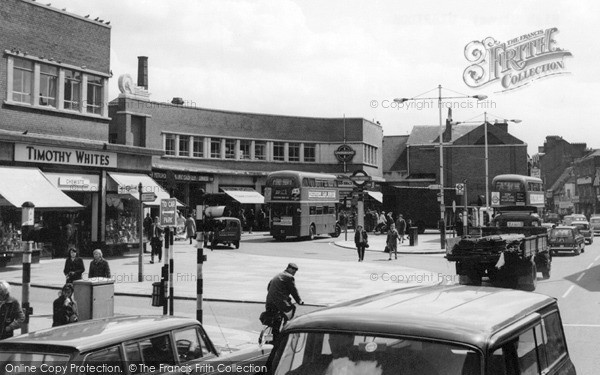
245 147
170 144
230 149
260 150
22 81
184 145
72 90
215 148
555 346
109 355
94 94
279 151
189 346
294 152
198 151
310 153
48 79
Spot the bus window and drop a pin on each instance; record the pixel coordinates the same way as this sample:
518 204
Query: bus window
312 210
319 210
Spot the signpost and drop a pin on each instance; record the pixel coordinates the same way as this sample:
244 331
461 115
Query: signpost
360 178
168 218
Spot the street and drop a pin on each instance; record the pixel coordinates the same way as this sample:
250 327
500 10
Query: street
574 282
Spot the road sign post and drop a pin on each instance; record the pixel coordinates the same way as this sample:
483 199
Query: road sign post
168 219
360 178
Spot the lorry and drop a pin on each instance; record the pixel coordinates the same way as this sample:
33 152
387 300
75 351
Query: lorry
509 252
420 204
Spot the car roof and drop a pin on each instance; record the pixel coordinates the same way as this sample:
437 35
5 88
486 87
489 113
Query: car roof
97 333
564 227
457 313
573 223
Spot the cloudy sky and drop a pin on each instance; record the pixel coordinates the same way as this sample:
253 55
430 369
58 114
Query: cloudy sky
352 58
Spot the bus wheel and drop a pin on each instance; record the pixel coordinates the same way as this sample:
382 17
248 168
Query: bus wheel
237 244
279 238
338 231
311 232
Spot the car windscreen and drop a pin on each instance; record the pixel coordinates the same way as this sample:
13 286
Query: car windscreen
340 353
581 226
595 220
561 233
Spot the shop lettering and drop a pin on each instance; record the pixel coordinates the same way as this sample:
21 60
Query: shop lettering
43 155
49 155
92 159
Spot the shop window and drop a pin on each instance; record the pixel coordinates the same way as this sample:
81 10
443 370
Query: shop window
48 79
122 218
230 149
170 144
184 145
278 151
294 152
310 153
215 148
260 150
198 151
72 90
22 81
245 146
94 94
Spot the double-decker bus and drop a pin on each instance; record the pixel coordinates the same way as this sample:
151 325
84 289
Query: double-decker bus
302 204
517 190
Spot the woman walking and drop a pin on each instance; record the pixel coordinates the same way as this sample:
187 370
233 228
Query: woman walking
74 267
392 241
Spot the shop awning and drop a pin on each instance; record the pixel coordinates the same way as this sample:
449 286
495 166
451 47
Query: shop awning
378 196
19 185
128 184
244 195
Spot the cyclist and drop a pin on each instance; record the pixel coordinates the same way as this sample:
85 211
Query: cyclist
279 302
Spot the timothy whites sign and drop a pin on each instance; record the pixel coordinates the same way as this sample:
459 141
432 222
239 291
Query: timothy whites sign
69 156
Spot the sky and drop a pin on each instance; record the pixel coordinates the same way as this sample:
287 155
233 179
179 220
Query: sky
320 58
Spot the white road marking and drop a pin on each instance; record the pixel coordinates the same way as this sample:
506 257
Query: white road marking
568 291
598 257
580 276
590 266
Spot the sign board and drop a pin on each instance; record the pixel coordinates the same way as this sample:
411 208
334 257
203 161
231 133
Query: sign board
434 187
148 197
360 177
460 189
495 198
168 212
344 153
65 156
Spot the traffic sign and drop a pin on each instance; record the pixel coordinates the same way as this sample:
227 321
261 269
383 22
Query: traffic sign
168 212
434 187
148 197
460 189
360 178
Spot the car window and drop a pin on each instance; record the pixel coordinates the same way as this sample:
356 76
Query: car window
152 351
189 345
520 355
111 356
526 352
561 233
18 358
555 340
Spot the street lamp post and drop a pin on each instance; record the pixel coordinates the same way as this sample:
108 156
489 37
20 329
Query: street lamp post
441 146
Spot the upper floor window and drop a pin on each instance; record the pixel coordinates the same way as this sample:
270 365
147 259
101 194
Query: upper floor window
94 94
260 150
72 90
198 151
184 145
294 152
22 80
215 148
170 144
230 149
48 79
310 153
278 151
245 146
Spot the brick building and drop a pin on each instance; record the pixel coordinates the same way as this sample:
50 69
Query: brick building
228 151
54 124
556 155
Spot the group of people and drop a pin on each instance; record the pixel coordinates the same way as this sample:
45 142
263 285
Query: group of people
155 233
395 234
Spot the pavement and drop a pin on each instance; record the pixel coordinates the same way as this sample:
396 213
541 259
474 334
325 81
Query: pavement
230 275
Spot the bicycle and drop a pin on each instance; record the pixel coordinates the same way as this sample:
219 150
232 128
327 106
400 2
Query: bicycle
273 322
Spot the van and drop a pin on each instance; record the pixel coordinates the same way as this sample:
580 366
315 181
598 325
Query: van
433 330
595 224
224 230
125 345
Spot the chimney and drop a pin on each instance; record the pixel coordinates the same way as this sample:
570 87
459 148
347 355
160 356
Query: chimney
447 135
142 80
502 126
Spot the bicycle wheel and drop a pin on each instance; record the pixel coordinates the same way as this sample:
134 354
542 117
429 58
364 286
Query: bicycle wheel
266 336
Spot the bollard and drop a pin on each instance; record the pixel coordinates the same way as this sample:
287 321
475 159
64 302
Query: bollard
201 258
26 285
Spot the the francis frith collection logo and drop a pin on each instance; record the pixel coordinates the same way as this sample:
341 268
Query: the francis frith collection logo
514 63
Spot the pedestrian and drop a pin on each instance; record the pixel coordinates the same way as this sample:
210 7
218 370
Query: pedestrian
401 227
11 314
190 228
242 217
74 267
156 240
147 230
458 224
381 220
250 218
361 239
261 219
392 241
64 307
99 266
280 291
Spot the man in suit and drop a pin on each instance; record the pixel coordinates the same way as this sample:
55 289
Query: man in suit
361 240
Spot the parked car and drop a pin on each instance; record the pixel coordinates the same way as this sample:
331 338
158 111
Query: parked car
585 230
433 330
595 224
225 230
129 345
566 238
567 220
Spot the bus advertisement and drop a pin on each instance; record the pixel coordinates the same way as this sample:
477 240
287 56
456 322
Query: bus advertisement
517 190
302 204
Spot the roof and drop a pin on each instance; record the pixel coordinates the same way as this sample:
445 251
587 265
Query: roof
457 313
394 157
428 134
96 333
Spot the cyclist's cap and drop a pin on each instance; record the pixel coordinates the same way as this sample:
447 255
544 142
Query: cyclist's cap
293 266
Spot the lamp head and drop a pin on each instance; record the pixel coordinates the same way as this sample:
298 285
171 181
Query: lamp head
400 100
516 121
480 97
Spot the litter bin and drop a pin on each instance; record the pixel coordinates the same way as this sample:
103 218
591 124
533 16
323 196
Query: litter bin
95 298
413 235
158 294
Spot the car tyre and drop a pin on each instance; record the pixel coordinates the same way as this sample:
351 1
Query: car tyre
236 244
312 232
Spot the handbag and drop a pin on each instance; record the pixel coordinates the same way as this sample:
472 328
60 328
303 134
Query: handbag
387 249
267 318
366 246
